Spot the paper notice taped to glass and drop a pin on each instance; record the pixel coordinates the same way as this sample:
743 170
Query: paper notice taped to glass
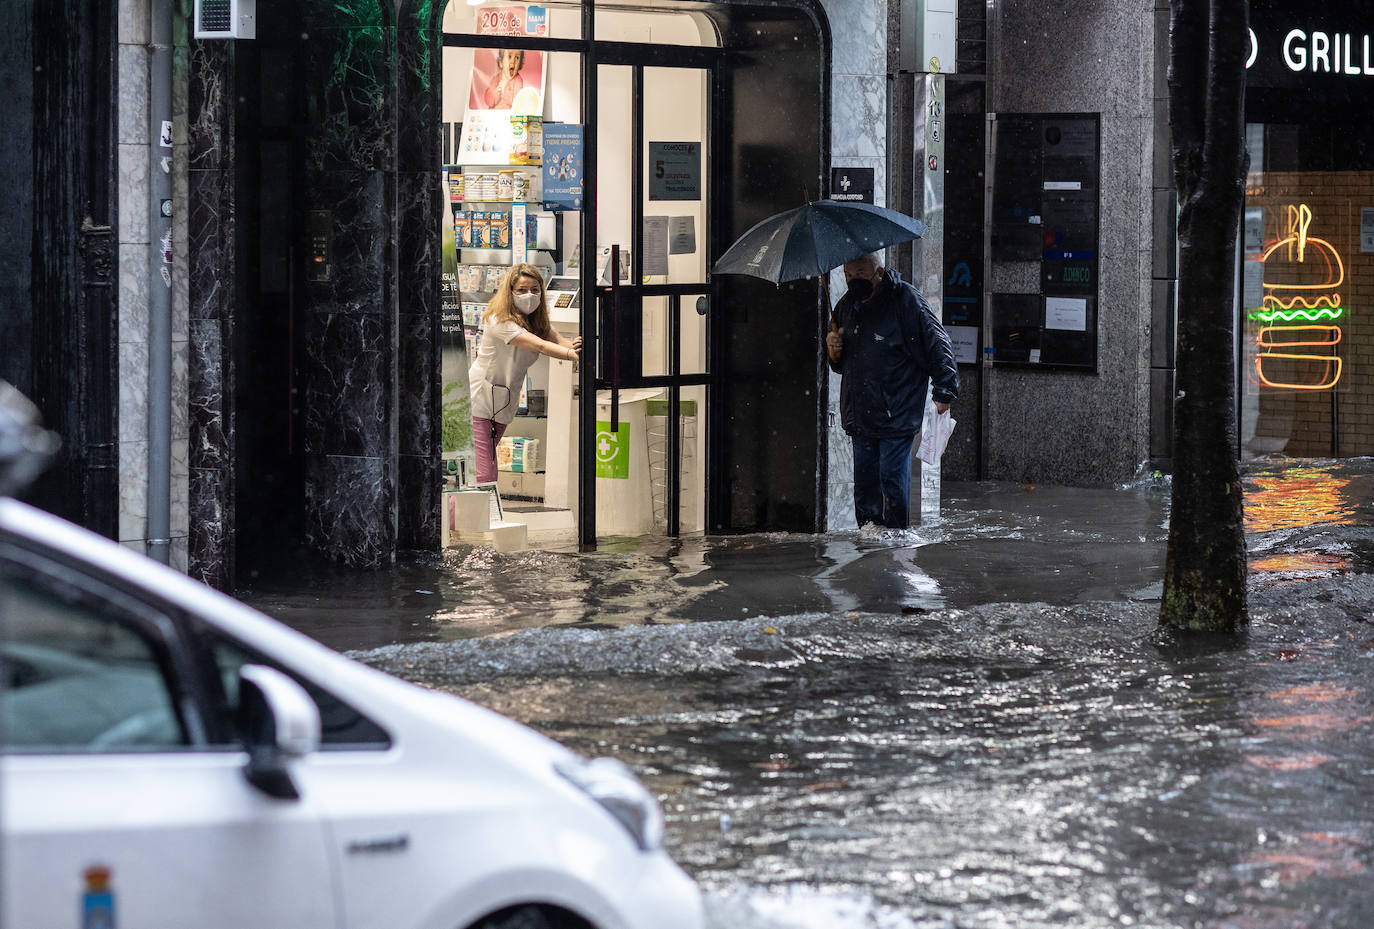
934 437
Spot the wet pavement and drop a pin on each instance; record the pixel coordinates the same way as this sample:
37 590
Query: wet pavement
971 724
992 543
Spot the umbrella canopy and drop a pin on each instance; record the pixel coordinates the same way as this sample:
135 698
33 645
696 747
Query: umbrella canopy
812 239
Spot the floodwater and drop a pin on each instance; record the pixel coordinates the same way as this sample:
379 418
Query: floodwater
970 724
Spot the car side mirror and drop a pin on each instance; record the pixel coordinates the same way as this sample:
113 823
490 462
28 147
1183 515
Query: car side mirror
278 723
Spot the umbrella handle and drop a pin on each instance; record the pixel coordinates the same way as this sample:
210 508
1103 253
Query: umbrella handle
834 326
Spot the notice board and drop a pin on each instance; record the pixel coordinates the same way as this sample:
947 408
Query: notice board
1045 205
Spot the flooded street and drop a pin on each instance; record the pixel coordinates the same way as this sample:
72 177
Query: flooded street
971 724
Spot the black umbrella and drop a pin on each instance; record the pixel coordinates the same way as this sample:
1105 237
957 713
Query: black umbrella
811 240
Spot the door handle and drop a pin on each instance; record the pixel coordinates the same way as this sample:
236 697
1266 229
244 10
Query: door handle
615 339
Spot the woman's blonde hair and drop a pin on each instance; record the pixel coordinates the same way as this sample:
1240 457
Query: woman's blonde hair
502 305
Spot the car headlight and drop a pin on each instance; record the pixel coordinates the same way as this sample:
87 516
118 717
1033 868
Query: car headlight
612 784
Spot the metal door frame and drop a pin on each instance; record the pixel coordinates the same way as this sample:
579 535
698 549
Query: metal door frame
620 299
637 56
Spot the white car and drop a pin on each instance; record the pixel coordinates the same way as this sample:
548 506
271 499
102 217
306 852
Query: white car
172 758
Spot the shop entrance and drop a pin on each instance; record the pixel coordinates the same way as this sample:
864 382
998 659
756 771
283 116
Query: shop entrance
653 367
697 404
538 154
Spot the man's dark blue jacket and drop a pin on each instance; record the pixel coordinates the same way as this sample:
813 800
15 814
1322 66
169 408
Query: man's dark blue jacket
894 346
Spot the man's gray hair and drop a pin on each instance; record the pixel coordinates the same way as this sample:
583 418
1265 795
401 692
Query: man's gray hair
875 257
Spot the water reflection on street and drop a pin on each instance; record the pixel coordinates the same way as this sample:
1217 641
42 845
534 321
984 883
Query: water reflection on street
970 724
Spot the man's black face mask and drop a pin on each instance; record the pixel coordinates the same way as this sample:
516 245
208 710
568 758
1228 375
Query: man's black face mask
860 288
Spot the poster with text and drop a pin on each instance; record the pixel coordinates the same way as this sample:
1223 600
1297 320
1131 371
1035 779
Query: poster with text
562 166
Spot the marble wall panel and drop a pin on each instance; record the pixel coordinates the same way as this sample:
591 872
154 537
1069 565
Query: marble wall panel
347 59
133 194
418 503
180 406
178 554
362 236
418 71
133 391
133 293
208 529
858 116
180 504
859 35
210 233
417 383
133 490
419 214
210 120
343 497
346 372
133 22
133 94
209 443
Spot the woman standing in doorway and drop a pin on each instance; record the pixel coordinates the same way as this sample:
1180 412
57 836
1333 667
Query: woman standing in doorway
516 331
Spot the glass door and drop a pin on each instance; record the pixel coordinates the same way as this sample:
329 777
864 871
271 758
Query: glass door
653 371
513 130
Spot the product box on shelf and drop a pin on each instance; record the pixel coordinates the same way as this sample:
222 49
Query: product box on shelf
527 140
498 229
519 453
478 236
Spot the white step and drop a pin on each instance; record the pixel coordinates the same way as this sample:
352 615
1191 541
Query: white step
502 536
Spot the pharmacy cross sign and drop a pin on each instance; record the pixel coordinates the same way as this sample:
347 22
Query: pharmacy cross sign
612 451
605 449
852 184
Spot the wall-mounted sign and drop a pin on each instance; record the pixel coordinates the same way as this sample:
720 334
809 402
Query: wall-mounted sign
674 170
1302 45
851 184
1045 210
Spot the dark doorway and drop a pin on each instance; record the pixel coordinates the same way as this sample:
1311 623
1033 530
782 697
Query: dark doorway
268 120
58 317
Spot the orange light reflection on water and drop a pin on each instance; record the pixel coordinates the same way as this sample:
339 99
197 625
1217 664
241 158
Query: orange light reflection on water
1317 564
1296 498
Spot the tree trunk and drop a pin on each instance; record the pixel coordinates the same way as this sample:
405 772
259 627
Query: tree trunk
1205 570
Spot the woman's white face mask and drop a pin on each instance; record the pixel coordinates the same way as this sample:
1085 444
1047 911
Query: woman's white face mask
526 304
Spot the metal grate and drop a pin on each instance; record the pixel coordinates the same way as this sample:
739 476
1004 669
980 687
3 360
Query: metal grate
215 15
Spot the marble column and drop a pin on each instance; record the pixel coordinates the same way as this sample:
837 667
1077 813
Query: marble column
349 329
210 276
419 212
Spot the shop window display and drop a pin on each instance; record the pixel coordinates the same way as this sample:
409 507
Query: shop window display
1306 372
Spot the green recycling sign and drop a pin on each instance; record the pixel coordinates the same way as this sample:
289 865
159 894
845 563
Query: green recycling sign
612 451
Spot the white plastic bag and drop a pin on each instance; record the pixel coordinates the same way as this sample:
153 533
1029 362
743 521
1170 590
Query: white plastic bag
934 437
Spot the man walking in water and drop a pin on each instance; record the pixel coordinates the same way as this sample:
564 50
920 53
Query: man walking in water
888 346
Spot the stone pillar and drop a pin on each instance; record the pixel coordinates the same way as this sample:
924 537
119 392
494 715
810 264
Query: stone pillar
349 327
210 277
420 211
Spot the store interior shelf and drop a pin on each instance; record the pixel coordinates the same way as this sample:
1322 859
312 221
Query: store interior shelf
484 248
533 203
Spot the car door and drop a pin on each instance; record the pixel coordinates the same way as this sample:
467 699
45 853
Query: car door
118 808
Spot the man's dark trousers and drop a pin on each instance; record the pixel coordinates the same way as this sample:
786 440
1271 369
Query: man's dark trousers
882 480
